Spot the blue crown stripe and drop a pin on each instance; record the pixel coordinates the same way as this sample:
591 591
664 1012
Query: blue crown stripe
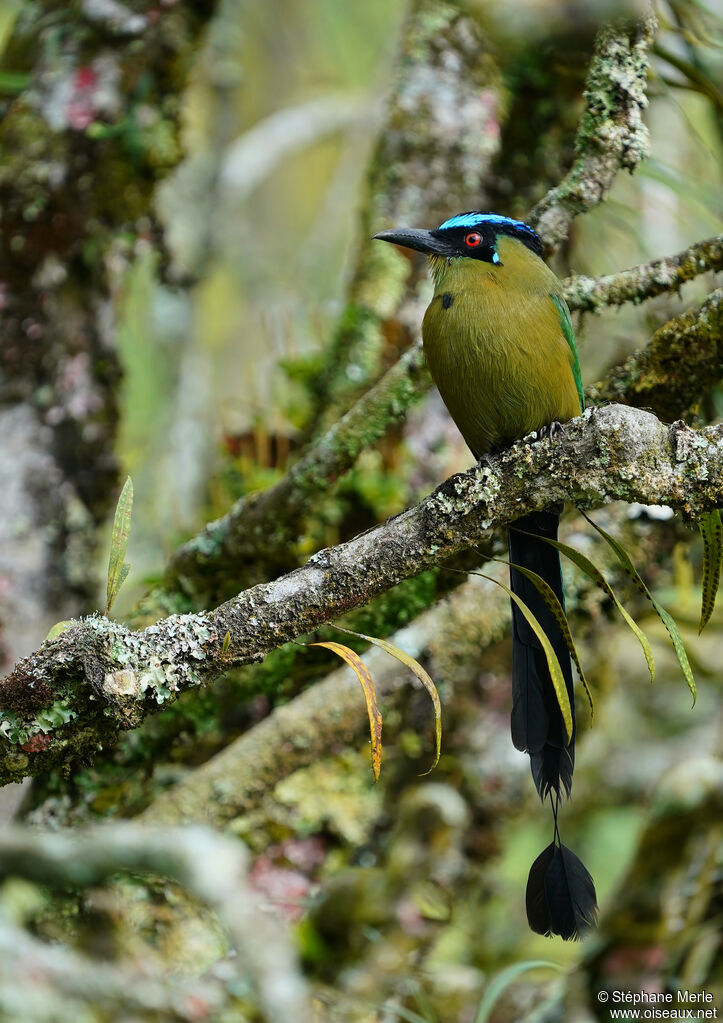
477 219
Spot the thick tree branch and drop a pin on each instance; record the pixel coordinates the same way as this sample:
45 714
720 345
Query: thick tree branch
240 779
611 135
98 677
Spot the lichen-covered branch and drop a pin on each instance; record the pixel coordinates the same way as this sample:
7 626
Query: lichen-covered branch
211 867
590 294
98 677
611 136
677 369
240 779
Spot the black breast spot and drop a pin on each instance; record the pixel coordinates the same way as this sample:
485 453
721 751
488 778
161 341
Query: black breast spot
447 300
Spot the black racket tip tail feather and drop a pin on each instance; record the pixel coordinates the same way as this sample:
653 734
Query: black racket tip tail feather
560 898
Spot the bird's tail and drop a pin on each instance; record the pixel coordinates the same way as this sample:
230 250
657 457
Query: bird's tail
537 724
560 892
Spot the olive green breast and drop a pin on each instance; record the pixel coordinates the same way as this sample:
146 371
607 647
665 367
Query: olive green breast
495 346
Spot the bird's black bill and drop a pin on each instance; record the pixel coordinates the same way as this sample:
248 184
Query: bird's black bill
419 239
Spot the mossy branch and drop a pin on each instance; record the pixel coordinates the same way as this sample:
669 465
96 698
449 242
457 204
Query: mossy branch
679 366
611 136
240 780
110 678
269 521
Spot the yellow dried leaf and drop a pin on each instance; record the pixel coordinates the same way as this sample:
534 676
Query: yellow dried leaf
416 668
375 715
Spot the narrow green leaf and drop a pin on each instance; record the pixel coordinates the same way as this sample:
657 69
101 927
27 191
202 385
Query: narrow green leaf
117 568
665 616
711 531
553 664
499 984
550 597
226 644
416 668
594 573
375 715
125 569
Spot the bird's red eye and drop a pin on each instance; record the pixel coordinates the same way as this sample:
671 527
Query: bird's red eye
473 239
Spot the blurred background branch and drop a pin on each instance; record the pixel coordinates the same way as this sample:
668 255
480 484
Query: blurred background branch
210 867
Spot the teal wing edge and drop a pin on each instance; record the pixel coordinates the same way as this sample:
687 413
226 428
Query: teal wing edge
567 330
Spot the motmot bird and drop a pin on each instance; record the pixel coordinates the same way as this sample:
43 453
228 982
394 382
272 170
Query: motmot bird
500 346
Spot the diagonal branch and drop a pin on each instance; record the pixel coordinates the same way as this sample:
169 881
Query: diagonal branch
647 280
270 520
79 690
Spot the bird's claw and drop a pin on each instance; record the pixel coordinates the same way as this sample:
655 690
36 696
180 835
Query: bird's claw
550 429
485 461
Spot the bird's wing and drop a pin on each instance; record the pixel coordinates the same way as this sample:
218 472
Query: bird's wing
566 324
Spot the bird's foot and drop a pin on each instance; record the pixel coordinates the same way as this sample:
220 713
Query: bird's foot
485 461
549 430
